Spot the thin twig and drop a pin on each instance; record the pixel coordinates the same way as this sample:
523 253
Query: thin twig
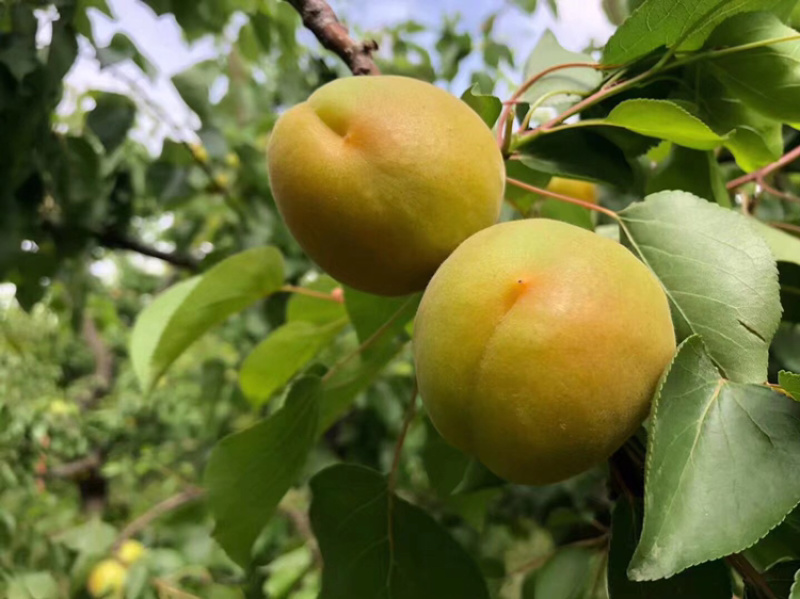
562 197
320 19
77 469
750 574
117 241
785 226
103 375
766 170
777 192
300 521
139 524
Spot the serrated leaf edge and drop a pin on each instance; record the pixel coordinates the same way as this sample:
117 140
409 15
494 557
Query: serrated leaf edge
648 461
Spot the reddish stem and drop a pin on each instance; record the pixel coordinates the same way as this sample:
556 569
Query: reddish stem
331 297
764 171
563 198
501 127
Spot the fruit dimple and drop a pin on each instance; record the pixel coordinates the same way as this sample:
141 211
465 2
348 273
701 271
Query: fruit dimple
520 287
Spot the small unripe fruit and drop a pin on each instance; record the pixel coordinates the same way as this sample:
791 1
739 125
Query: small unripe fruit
538 347
107 579
131 551
380 178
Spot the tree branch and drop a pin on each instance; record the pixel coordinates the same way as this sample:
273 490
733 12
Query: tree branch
77 469
117 241
103 364
158 510
320 19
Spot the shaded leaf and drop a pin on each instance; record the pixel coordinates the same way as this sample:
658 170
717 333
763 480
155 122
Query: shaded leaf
567 575
670 22
487 106
766 78
121 48
790 382
706 581
178 317
249 472
780 545
376 545
718 273
716 449
753 139
579 154
691 170
111 119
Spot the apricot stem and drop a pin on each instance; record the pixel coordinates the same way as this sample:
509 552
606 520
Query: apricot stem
562 198
502 140
311 293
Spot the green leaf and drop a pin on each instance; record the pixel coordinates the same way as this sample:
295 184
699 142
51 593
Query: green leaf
753 139
780 545
665 120
381 325
94 537
549 53
766 78
780 578
476 478
718 273
578 153
671 22
693 171
178 317
281 355
567 575
194 84
111 119
370 314
377 545
444 464
786 249
706 581
249 472
795 590
487 106
716 450
33 585
790 382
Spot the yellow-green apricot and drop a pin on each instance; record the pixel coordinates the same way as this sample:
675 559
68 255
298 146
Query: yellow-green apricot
538 346
380 178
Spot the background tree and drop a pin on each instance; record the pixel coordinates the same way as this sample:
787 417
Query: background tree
222 401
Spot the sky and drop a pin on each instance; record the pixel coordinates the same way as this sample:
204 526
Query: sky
580 23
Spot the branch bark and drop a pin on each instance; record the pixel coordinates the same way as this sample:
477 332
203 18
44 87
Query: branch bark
117 241
320 19
103 364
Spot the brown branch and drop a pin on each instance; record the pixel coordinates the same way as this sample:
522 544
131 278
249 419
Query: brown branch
764 171
320 19
155 512
117 241
302 525
751 576
77 469
103 376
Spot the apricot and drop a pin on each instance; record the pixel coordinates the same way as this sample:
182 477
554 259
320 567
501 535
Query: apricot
380 178
583 190
107 579
538 347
